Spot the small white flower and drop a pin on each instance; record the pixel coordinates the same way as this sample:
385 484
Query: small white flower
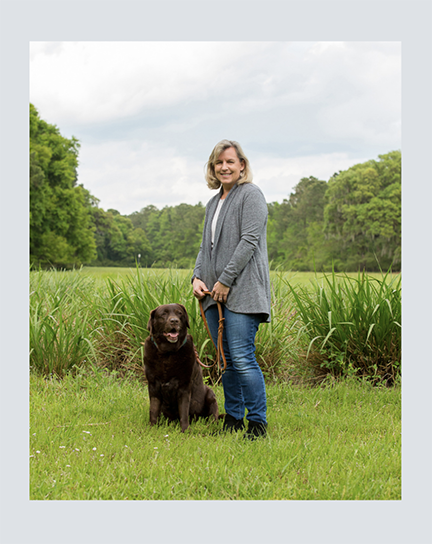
37 451
62 446
101 454
76 449
88 432
94 449
68 466
34 434
155 448
166 436
31 455
125 446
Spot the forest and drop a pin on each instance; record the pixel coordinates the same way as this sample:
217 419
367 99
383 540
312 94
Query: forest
350 222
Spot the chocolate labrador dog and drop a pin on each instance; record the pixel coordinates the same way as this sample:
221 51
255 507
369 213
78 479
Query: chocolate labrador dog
175 380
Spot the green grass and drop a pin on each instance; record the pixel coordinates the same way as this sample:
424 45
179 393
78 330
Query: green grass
90 440
295 278
353 324
108 318
98 317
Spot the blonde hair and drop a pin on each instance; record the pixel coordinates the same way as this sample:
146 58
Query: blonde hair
245 176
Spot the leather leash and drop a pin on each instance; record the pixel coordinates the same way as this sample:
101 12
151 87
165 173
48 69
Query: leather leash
219 347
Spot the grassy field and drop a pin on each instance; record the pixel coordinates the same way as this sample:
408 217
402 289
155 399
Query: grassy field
89 432
90 440
296 278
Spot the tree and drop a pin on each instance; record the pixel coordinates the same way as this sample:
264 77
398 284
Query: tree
295 230
138 244
174 233
279 216
61 229
118 242
363 213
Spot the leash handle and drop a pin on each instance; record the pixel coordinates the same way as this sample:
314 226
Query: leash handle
219 348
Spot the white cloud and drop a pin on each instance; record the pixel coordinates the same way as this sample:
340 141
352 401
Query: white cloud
366 85
129 177
148 113
277 177
101 81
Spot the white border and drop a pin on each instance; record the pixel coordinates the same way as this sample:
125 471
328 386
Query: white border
347 522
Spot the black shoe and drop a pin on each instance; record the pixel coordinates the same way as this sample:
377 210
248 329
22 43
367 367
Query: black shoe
256 430
232 424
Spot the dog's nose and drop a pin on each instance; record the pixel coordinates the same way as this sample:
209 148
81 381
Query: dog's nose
174 320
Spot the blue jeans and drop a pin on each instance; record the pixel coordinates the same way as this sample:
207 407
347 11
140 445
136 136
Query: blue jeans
243 381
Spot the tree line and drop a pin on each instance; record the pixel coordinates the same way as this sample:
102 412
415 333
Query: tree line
350 222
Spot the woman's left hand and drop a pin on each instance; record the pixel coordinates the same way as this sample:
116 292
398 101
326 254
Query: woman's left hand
220 292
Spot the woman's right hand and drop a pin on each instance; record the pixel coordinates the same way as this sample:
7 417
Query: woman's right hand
199 288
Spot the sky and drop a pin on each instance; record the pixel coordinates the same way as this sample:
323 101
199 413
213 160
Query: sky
148 114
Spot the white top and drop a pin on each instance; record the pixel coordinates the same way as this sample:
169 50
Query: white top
215 218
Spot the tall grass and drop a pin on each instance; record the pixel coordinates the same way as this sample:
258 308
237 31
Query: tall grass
353 325
337 324
123 309
61 324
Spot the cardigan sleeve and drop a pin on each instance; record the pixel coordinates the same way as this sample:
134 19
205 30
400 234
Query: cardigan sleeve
253 222
197 269
197 272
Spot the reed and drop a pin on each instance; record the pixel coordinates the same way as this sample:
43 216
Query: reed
61 326
353 325
335 324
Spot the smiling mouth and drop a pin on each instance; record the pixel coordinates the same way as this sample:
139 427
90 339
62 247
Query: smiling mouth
171 336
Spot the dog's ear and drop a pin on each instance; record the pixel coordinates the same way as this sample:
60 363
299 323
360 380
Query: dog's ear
150 321
185 314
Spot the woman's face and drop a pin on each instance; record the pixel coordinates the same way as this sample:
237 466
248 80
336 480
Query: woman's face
228 168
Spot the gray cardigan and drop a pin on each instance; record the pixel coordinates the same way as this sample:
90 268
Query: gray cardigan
239 257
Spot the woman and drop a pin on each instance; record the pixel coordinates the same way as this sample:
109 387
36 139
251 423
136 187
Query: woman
232 264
